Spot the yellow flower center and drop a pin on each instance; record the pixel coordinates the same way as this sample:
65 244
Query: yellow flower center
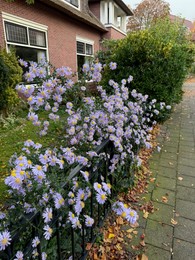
124 214
61 201
4 241
17 180
39 167
103 196
132 214
99 186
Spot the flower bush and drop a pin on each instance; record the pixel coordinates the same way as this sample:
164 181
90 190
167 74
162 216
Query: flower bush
37 175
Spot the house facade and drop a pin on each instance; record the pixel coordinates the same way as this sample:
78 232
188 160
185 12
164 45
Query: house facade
66 32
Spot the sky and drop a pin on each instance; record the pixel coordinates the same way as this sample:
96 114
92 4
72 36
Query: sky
183 8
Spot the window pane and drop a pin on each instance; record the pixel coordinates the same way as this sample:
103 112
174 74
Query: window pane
89 49
73 2
80 47
16 33
37 38
29 54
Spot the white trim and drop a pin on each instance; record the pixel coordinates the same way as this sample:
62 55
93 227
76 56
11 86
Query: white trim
25 22
117 29
85 40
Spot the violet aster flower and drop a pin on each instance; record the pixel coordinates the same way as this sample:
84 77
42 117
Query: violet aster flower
5 239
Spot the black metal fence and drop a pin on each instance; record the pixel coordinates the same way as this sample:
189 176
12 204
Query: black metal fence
66 243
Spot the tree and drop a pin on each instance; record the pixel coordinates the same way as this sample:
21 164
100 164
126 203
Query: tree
147 12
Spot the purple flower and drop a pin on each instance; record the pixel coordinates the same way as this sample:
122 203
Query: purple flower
101 197
88 221
19 255
5 239
113 65
35 242
48 232
47 215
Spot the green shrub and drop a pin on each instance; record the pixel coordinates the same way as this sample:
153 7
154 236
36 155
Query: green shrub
10 75
158 59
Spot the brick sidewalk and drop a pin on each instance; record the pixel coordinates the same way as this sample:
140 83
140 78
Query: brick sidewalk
174 170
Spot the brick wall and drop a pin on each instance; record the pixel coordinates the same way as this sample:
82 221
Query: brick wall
114 34
62 30
95 8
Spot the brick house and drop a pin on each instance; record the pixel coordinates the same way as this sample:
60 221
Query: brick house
66 32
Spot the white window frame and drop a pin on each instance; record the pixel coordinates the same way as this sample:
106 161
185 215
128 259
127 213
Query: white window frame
85 41
28 24
72 4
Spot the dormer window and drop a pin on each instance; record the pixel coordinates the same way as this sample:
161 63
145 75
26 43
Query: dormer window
114 15
73 2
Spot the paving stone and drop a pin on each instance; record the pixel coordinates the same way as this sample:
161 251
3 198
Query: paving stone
162 213
171 143
169 163
159 193
187 181
186 170
167 172
169 149
185 230
183 250
185 209
166 182
187 162
154 253
167 155
186 148
158 234
185 193
186 155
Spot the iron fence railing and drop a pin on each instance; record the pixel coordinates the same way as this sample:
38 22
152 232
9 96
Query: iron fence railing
66 242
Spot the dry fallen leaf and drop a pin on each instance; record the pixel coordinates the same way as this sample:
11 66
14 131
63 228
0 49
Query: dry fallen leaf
88 246
111 235
119 221
180 178
174 222
145 215
152 179
164 199
141 257
142 243
129 230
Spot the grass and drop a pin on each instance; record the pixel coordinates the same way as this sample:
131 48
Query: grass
13 132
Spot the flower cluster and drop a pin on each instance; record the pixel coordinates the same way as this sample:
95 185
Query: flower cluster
35 181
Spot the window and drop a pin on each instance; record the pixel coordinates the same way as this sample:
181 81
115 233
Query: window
73 2
29 41
84 53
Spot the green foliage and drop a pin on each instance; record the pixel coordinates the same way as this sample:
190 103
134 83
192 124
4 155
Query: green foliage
27 1
10 75
158 59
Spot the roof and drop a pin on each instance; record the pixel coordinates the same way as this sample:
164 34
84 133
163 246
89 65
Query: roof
187 23
84 15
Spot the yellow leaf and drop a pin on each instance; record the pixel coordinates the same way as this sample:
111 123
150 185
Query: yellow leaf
145 215
111 235
130 230
135 232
